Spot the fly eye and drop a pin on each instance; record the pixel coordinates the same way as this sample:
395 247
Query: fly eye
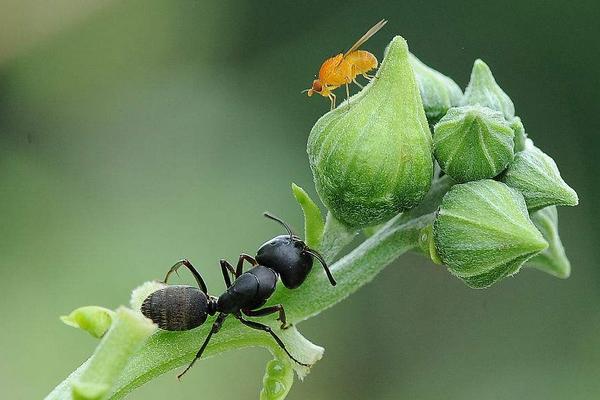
316 86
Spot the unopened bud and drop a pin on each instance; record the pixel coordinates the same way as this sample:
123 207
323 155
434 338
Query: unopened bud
482 232
371 158
473 142
438 92
484 91
553 260
536 176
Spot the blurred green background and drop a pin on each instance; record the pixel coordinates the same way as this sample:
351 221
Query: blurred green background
136 133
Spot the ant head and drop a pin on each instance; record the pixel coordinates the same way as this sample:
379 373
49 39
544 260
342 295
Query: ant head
289 256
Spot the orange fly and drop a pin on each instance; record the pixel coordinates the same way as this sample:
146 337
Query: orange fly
344 68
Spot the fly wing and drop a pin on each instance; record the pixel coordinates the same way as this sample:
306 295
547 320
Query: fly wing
366 36
329 68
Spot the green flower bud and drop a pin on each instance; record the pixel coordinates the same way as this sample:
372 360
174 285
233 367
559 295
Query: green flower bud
92 319
520 135
371 158
536 176
484 91
529 144
553 260
472 143
482 232
438 92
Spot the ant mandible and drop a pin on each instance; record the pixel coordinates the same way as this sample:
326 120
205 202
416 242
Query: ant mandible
182 307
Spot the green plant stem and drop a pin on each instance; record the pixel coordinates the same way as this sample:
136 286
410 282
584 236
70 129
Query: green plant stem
432 200
335 238
165 351
126 335
352 271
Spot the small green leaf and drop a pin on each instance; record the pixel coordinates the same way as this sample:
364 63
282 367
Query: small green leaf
278 379
427 245
536 176
438 92
92 319
483 233
484 91
313 219
126 335
553 260
472 143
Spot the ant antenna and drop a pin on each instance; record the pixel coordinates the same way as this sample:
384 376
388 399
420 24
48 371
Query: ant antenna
319 257
304 91
286 226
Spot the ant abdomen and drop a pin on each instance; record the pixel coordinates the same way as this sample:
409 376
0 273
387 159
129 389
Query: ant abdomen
176 308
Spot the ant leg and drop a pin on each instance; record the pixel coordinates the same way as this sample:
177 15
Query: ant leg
261 327
215 328
358 84
193 270
269 310
369 77
240 264
227 269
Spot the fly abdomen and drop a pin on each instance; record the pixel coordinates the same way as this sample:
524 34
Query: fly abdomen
362 61
176 308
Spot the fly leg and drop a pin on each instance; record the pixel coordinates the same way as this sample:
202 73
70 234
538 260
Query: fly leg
347 93
354 75
332 99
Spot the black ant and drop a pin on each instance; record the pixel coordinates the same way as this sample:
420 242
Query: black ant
182 307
